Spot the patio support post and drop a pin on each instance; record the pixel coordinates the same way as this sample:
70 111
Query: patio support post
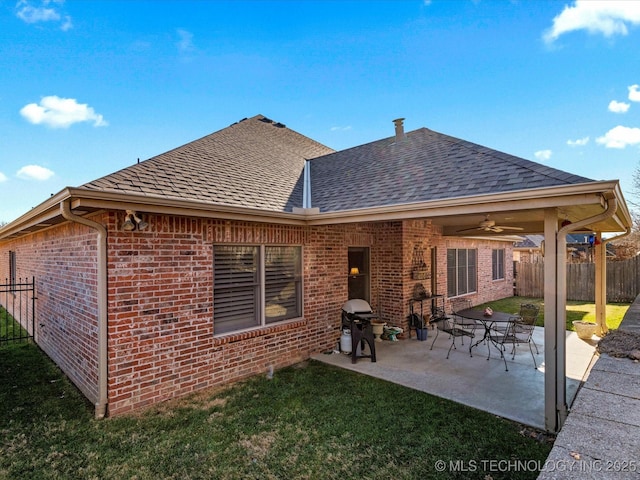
555 407
562 409
601 301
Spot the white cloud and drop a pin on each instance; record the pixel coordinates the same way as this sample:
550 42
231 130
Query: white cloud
634 94
67 24
3 177
620 137
543 155
341 129
43 11
185 44
57 112
34 172
618 107
608 17
580 142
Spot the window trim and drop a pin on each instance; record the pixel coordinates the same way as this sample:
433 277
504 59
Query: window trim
364 275
261 268
13 276
456 267
497 264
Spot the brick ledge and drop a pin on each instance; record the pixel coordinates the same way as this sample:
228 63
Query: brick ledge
258 332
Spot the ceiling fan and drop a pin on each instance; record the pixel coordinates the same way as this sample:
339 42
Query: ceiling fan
487 225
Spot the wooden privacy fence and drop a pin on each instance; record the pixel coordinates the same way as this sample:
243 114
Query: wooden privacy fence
623 280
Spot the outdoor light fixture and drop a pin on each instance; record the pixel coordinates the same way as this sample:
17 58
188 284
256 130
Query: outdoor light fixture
132 221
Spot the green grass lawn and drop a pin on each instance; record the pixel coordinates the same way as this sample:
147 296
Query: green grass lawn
575 310
311 421
9 328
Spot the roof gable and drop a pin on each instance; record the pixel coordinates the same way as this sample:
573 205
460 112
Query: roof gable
254 163
423 166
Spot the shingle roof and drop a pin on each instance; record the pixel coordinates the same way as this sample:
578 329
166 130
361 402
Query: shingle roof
255 163
423 166
258 163
530 241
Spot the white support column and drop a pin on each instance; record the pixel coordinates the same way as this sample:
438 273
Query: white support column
601 286
562 408
550 341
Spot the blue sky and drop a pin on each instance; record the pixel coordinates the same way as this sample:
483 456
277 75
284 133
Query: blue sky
88 87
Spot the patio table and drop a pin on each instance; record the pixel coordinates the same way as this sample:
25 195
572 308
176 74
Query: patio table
498 322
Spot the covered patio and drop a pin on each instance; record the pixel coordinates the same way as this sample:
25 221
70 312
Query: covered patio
517 394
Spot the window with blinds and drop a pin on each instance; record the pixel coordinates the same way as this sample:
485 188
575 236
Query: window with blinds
497 264
255 285
282 283
461 271
12 268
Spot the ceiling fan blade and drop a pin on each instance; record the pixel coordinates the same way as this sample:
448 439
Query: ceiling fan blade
510 228
469 229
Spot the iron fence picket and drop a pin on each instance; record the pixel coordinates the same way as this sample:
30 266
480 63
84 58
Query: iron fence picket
17 311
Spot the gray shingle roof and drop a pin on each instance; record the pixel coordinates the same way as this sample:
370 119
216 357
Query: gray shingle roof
255 163
423 166
530 241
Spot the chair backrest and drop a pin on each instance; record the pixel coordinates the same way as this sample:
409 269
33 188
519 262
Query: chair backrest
442 323
458 304
529 314
437 312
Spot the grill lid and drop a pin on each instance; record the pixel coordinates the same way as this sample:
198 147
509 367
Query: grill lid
357 305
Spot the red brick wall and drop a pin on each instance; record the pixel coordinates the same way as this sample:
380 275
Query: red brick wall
488 289
63 262
161 342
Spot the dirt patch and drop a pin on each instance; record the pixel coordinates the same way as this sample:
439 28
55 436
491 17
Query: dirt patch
258 446
539 435
621 344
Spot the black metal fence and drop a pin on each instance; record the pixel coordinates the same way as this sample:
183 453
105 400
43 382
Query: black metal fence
17 311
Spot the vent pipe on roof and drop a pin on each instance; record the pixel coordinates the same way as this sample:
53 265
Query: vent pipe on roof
306 185
399 123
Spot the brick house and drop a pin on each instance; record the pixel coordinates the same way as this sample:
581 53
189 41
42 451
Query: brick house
233 254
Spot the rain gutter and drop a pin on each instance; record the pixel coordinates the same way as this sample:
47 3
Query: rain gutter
617 237
102 402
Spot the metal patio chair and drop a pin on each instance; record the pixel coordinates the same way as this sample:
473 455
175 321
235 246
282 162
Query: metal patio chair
467 324
453 325
518 331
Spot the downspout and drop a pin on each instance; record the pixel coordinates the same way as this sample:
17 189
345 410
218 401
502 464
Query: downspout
561 305
65 210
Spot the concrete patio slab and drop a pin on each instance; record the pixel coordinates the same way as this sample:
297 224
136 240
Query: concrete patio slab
479 381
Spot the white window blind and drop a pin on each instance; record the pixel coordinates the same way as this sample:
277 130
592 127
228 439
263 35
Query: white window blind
255 285
236 289
461 271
